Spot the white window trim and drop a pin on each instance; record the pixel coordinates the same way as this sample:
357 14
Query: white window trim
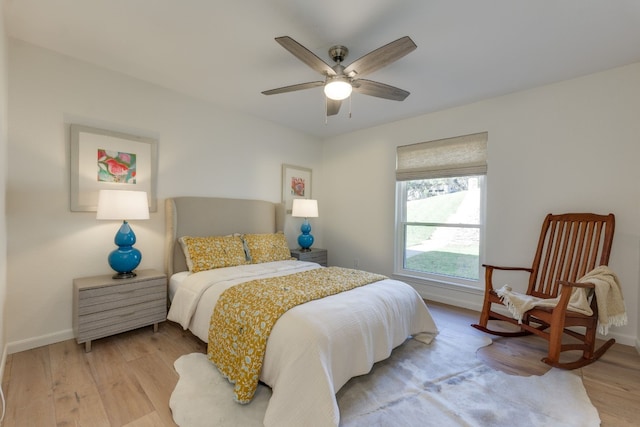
426 278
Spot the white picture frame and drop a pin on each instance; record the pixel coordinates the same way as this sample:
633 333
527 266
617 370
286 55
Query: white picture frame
296 184
96 164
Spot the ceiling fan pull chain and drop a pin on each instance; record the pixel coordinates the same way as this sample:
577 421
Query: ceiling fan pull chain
350 96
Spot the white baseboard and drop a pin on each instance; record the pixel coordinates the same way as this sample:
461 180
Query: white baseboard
28 344
621 339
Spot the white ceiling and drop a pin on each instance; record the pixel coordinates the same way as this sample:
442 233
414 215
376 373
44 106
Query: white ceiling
224 51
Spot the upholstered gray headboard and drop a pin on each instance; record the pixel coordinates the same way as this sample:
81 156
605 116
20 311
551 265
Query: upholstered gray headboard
214 216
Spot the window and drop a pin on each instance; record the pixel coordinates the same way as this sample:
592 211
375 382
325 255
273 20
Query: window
440 188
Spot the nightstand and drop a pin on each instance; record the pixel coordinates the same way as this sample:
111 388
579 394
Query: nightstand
103 306
313 255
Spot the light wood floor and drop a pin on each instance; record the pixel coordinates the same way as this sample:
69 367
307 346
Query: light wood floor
127 379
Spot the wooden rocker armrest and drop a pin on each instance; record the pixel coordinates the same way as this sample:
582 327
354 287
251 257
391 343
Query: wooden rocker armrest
587 285
498 267
488 274
565 294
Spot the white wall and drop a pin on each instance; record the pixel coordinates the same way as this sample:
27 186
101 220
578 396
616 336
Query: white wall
3 180
570 146
203 150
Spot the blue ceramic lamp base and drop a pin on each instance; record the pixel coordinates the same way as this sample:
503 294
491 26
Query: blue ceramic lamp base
126 258
305 240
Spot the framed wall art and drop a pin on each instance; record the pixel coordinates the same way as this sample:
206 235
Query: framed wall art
103 159
296 184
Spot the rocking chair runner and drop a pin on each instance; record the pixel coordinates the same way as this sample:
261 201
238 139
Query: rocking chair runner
570 246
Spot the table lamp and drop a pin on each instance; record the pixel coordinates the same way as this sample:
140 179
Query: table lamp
305 208
123 205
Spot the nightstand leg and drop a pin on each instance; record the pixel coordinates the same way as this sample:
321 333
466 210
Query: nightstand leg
155 328
87 346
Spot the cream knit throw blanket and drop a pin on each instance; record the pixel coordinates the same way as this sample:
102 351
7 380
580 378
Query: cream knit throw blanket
611 310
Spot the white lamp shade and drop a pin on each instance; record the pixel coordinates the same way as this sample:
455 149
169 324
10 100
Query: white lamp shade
304 208
338 89
122 205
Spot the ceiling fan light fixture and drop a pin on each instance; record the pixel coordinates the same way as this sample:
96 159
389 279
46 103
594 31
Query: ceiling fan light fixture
340 81
338 89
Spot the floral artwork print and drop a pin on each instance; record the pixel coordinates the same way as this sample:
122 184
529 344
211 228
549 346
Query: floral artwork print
297 186
114 166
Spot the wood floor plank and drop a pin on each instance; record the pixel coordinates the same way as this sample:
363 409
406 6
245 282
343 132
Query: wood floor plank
516 356
122 395
69 367
177 342
30 376
615 406
106 362
158 379
149 420
138 343
125 400
7 372
30 386
81 407
35 412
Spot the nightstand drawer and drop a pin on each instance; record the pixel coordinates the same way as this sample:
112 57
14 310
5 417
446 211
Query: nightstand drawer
316 257
115 321
313 255
90 320
102 299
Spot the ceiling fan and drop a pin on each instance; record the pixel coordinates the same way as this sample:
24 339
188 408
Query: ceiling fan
340 80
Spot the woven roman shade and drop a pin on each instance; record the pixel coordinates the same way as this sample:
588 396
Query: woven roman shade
459 156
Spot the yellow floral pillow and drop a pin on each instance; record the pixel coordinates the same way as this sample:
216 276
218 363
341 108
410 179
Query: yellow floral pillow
207 253
267 247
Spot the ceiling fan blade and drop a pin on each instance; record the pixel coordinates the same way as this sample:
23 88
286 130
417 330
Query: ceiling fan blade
380 57
306 56
333 106
293 88
380 90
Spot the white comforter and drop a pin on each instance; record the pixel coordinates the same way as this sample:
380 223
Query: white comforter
314 348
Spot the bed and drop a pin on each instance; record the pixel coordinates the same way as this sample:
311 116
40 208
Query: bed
314 348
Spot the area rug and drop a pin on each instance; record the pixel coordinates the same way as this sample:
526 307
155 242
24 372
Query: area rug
437 384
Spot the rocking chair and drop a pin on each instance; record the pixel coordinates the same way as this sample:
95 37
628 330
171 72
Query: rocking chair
570 246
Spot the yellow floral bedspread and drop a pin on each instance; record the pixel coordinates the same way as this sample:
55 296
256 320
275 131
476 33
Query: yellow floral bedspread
245 314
